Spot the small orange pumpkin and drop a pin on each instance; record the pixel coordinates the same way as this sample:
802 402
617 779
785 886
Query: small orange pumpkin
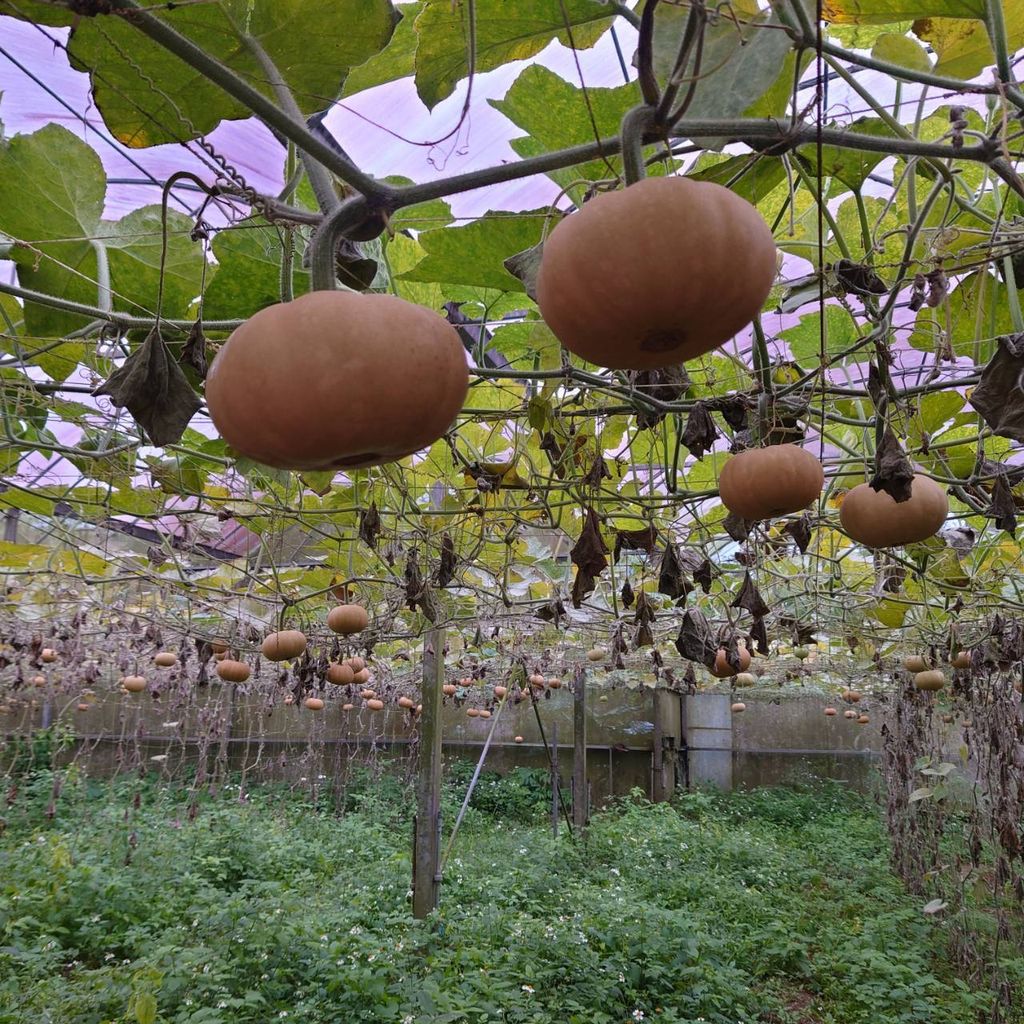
340 674
165 659
134 684
931 680
765 482
347 618
874 519
313 703
961 660
916 663
284 645
233 671
723 670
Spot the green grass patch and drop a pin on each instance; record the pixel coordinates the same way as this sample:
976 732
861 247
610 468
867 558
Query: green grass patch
775 907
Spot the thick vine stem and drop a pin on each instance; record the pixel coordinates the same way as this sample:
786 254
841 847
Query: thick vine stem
101 316
324 242
759 134
996 25
319 179
636 123
262 107
645 56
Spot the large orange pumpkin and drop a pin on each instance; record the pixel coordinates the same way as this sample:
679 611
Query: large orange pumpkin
766 482
337 380
661 272
874 519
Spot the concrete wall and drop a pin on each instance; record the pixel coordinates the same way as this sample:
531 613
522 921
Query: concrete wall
779 739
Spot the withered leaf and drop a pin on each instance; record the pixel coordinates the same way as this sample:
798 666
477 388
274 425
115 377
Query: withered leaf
553 611
705 573
800 531
700 433
598 471
750 599
759 636
1003 508
960 539
690 678
734 409
999 397
445 571
525 265
643 638
193 352
619 645
671 577
155 390
418 593
666 384
589 556
859 279
644 610
695 641
894 472
893 576
877 390
627 596
635 540
369 525
737 527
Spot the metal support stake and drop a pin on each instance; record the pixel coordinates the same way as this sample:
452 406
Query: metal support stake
427 844
555 781
580 802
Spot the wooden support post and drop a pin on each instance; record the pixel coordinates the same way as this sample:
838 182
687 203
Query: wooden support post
658 753
555 780
426 861
580 792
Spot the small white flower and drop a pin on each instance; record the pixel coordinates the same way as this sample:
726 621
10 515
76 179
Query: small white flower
283 1013
528 989
108 956
638 1015
222 1005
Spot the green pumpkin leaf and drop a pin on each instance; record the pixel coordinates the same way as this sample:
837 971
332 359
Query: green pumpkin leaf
248 274
963 46
882 12
902 50
804 339
504 32
396 60
557 114
148 96
739 65
474 253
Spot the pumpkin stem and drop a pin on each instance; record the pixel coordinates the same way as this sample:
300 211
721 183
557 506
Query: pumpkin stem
324 241
636 123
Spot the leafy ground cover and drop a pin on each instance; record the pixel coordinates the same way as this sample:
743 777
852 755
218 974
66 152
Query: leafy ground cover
117 905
